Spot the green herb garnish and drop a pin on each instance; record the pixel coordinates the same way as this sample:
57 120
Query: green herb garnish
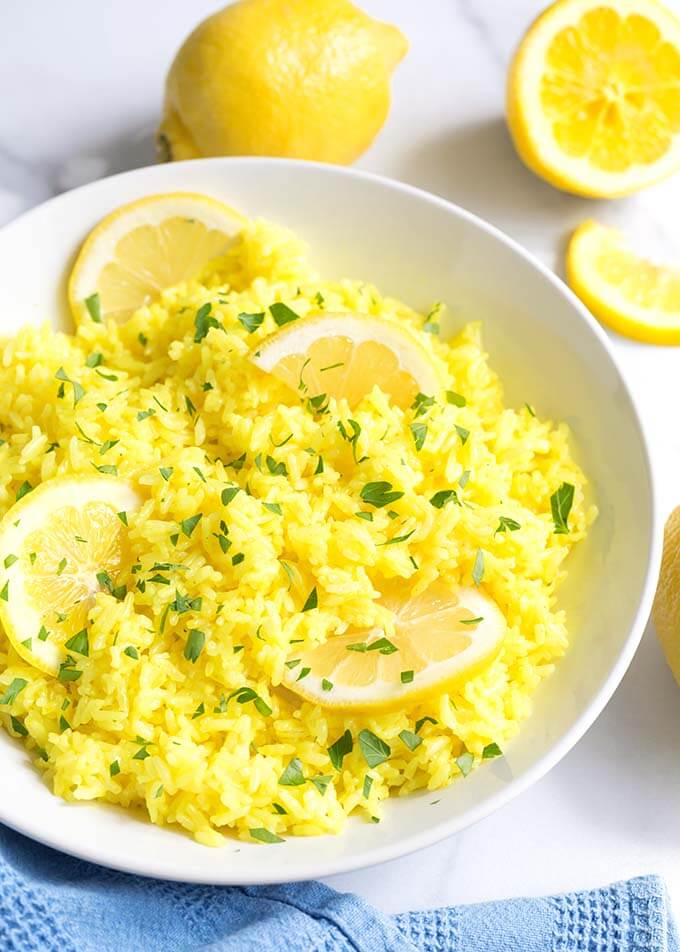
491 751
312 600
194 645
292 776
379 494
251 322
203 322
339 750
79 643
440 498
265 836
13 691
282 314
478 567
374 749
94 307
560 504
410 739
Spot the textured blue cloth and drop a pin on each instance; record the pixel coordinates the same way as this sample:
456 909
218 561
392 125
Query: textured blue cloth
53 903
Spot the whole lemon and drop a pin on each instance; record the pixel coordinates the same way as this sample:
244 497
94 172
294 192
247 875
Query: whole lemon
306 79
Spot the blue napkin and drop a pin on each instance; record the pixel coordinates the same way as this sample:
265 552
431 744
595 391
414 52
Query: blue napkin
50 902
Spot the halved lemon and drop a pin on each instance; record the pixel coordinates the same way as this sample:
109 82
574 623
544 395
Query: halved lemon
442 638
634 296
346 355
60 545
145 247
593 98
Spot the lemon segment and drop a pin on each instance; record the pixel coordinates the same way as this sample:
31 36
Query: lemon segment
54 543
593 98
142 248
441 638
346 355
632 295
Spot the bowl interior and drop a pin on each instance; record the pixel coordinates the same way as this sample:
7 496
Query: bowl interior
548 352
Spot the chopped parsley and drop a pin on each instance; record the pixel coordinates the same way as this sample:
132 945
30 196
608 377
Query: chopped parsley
276 469
273 507
132 652
106 446
440 499
560 503
229 494
10 560
245 694
282 314
194 645
183 603
326 685
472 621
406 677
410 739
144 414
478 567
491 751
13 691
507 525
419 432
339 750
292 776
107 470
455 398
368 783
94 307
422 404
351 437
321 783
420 723
188 525
465 762
166 472
23 490
114 768
462 433
94 359
203 322
79 643
374 749
379 494
312 600
251 322
265 836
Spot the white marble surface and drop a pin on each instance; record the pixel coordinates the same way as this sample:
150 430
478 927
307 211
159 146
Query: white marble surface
81 85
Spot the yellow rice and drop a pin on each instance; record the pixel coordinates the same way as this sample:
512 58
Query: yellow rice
217 772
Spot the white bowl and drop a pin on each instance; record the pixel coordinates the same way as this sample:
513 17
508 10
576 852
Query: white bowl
549 352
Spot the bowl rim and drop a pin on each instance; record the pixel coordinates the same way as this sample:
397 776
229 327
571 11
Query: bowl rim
151 867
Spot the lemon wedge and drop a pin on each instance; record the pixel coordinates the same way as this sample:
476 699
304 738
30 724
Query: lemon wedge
593 100
346 355
441 638
666 611
142 248
60 545
634 296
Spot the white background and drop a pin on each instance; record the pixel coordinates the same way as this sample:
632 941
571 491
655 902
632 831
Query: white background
81 86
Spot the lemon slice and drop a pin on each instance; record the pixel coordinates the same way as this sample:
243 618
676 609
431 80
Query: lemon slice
593 98
142 248
634 296
60 545
346 355
441 638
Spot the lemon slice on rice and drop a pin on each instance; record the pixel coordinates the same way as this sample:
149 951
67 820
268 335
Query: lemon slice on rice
634 296
142 248
346 355
59 545
442 637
